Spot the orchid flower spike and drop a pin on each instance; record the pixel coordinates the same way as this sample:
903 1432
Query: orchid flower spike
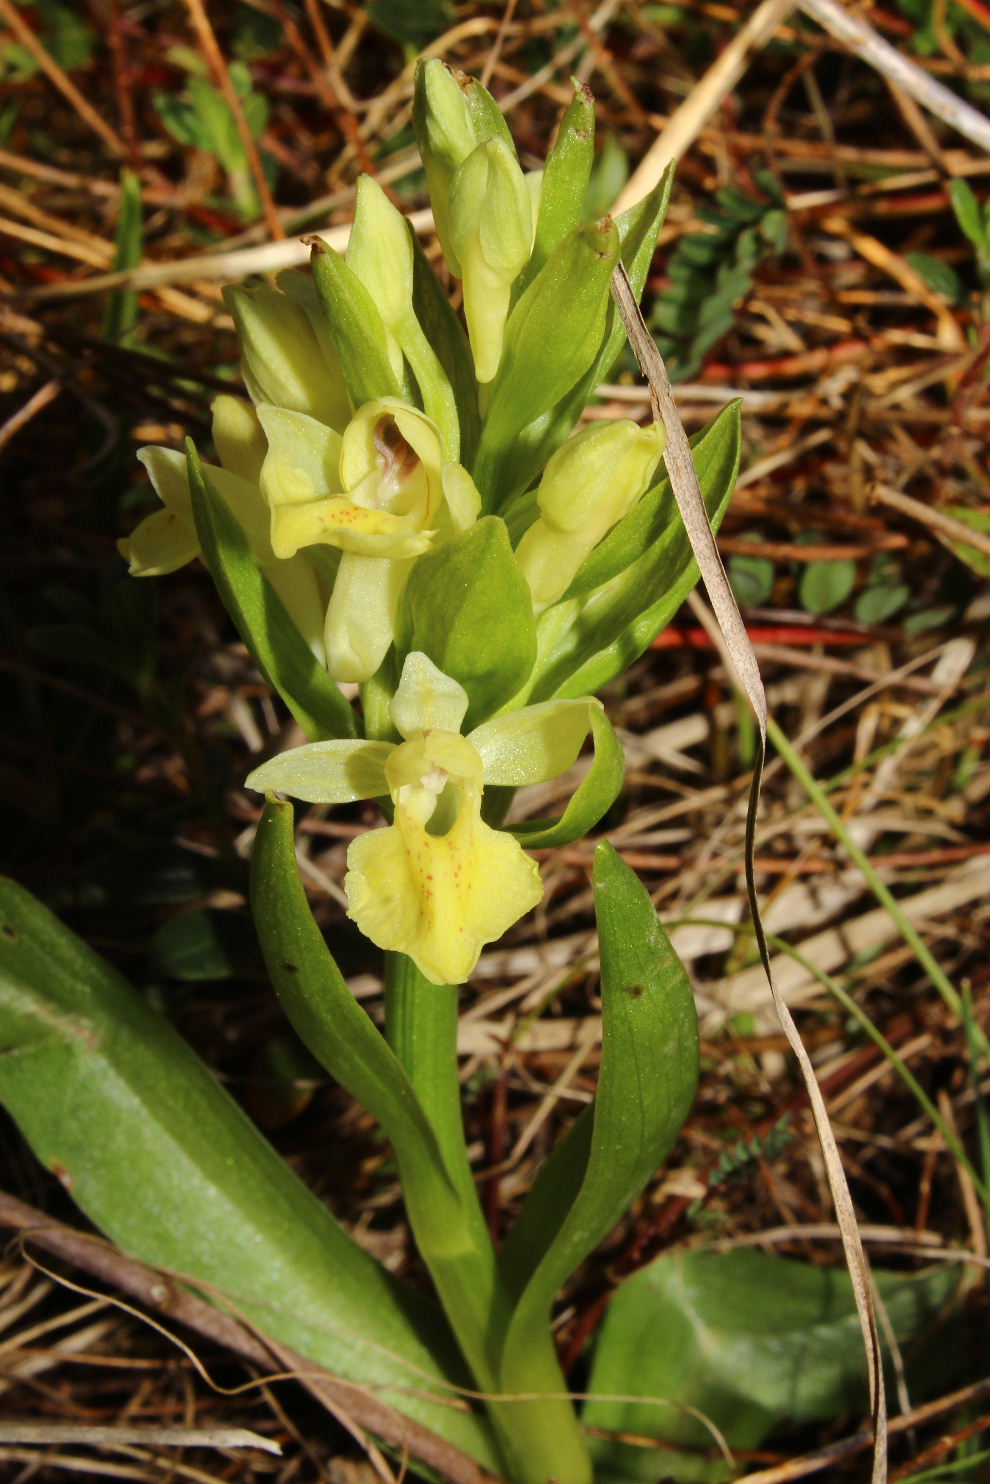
439 883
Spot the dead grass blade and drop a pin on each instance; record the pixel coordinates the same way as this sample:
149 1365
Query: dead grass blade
864 41
739 654
46 1434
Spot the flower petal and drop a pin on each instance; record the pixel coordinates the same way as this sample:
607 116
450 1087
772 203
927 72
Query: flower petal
163 542
360 622
239 437
534 744
427 698
439 899
336 772
337 521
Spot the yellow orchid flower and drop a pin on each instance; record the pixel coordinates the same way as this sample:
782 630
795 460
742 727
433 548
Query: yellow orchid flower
381 493
439 883
166 540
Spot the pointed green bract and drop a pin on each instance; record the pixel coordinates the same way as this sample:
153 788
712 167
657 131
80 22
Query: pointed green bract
276 645
469 588
565 179
553 335
355 326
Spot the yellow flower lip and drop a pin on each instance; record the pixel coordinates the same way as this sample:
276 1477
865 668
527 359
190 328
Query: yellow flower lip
439 883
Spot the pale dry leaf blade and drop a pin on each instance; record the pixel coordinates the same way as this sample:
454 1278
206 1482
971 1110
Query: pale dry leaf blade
736 646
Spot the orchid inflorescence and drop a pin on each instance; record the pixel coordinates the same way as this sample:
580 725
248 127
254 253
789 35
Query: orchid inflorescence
378 435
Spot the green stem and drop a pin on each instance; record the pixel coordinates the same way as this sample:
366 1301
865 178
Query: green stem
540 1438
859 857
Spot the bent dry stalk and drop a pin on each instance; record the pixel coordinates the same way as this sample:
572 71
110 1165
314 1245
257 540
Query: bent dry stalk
406 506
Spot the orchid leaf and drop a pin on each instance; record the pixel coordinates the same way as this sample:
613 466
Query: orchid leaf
164 1162
323 1011
646 1085
276 645
751 1343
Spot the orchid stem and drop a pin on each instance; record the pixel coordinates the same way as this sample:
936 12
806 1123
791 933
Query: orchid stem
540 1437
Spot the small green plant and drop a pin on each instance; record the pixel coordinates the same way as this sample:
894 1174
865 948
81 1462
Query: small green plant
710 271
973 220
202 119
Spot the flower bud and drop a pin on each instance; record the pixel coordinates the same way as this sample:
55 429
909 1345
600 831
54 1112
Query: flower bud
590 483
491 228
283 363
380 252
446 137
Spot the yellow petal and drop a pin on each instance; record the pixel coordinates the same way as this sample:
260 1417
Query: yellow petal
337 521
439 898
163 542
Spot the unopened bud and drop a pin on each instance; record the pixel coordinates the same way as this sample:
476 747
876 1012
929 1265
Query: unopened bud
590 483
491 228
446 136
283 363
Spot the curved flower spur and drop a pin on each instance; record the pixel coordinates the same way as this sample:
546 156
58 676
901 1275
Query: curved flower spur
439 883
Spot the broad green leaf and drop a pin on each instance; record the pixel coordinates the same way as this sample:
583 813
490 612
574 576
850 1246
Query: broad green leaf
412 22
880 601
757 1344
355 326
751 578
646 1085
278 649
468 607
584 642
590 801
565 179
165 1163
203 944
967 211
552 336
938 275
825 586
